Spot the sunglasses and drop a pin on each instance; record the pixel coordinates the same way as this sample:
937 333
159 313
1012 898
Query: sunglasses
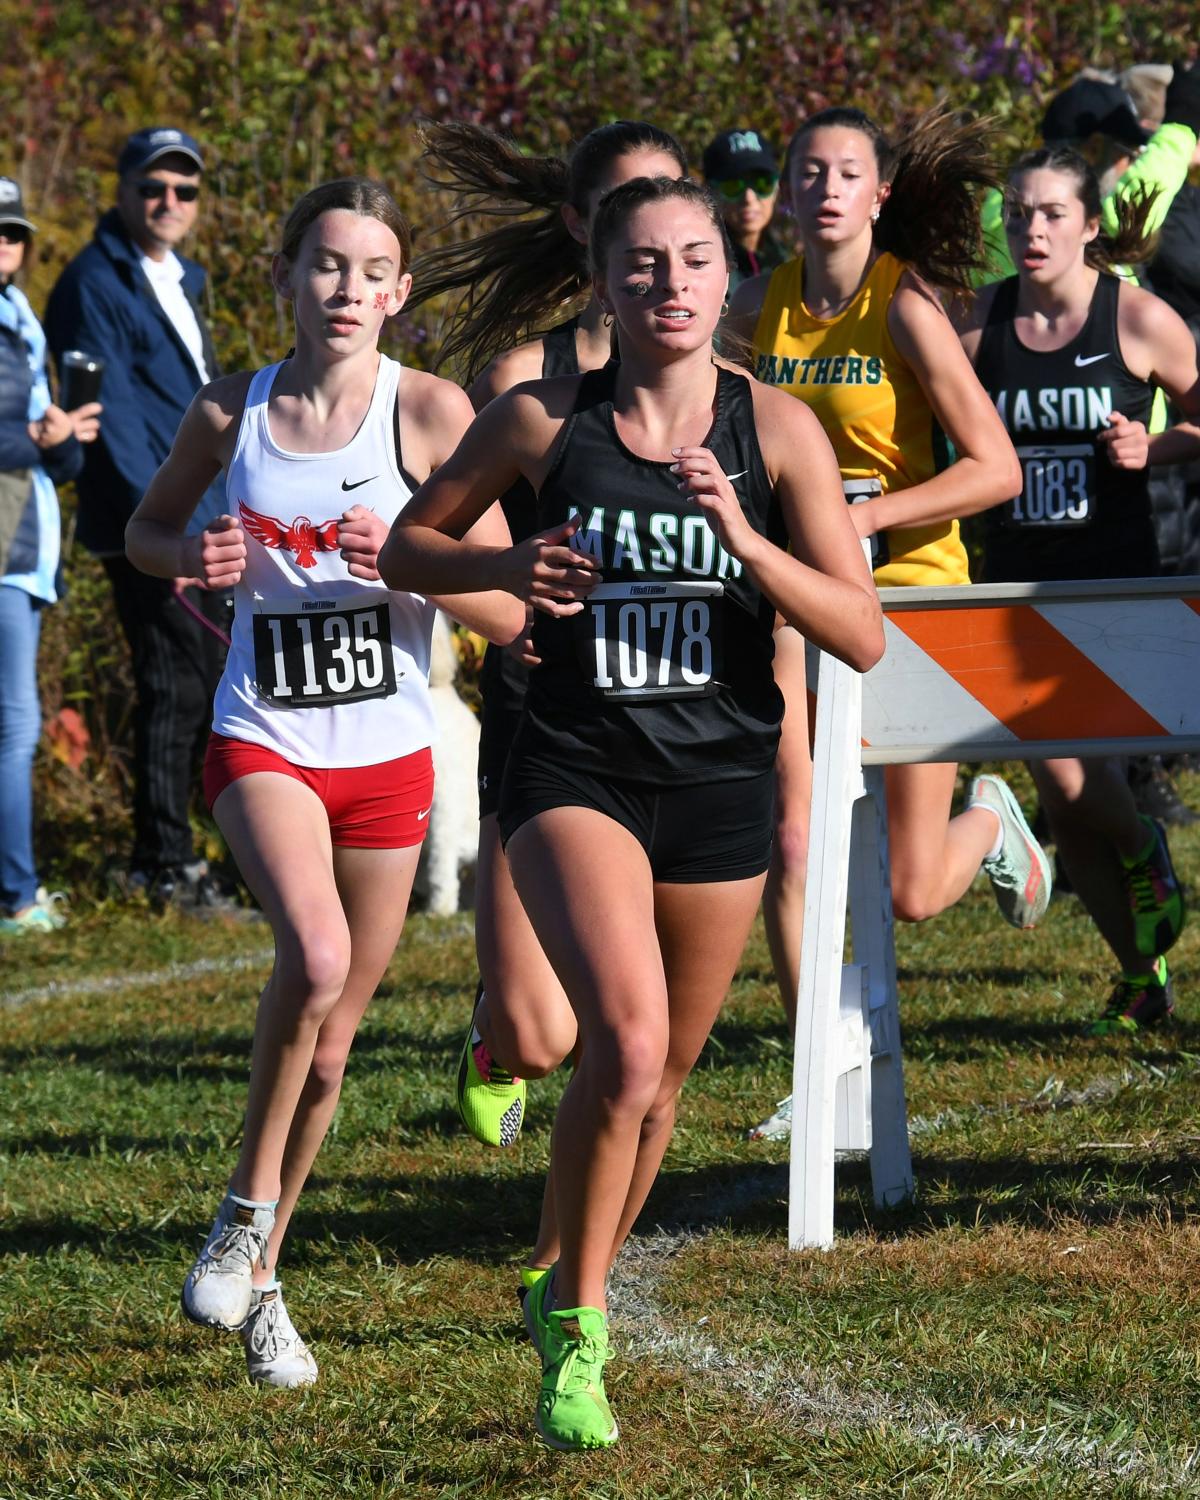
14 234
762 185
151 189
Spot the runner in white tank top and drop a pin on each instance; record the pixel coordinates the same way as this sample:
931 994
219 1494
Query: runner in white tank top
305 632
318 772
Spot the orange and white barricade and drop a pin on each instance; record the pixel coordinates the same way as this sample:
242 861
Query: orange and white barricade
984 672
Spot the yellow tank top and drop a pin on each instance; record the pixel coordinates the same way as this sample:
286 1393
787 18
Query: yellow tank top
869 402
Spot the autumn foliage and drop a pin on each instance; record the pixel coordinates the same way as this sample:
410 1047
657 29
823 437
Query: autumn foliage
284 96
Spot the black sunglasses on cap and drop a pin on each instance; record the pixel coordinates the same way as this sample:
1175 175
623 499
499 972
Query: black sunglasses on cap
14 234
151 189
761 184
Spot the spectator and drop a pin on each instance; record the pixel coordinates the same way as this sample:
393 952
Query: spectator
742 170
39 444
129 298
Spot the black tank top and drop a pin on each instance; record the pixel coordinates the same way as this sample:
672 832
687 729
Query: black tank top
665 676
1076 516
502 679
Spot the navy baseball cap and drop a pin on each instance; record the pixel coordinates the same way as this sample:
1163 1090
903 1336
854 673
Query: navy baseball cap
12 205
146 146
1092 107
733 153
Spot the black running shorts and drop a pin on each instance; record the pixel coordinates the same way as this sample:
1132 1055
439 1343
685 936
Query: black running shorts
693 834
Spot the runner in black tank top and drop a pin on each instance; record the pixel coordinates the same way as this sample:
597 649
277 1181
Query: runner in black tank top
522 1025
1071 355
637 797
1078 515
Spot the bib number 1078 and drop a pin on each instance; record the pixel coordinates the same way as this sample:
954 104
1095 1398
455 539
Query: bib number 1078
652 641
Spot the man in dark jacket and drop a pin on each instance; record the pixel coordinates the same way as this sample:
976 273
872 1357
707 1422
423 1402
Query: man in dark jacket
129 299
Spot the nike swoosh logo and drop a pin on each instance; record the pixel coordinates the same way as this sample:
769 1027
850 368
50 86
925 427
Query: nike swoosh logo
421 816
1090 360
358 483
741 475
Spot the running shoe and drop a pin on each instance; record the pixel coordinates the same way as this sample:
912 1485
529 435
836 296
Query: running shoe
491 1101
1020 872
776 1127
218 1290
1155 895
573 1411
1138 1001
275 1352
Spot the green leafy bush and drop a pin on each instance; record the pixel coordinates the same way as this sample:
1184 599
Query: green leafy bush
285 96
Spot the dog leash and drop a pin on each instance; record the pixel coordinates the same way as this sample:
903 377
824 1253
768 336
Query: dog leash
198 615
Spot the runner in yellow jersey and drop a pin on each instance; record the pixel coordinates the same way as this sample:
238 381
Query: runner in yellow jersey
855 328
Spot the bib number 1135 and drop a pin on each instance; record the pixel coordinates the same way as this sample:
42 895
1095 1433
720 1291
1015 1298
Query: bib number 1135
640 641
319 659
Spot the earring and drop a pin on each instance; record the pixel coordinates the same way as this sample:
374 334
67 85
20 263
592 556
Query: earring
874 216
725 307
607 320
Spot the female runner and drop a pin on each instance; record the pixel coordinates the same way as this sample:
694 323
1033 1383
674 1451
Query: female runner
636 807
1071 356
853 328
319 772
519 277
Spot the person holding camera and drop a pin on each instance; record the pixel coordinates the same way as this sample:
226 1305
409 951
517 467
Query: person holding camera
39 447
132 300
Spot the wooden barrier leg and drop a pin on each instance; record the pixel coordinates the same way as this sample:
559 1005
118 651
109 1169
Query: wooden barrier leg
820 1031
873 931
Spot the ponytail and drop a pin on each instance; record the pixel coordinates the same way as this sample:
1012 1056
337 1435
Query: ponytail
518 275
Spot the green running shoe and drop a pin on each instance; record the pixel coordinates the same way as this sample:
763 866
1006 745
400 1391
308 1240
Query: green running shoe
573 1411
1138 1001
1020 873
1155 895
491 1101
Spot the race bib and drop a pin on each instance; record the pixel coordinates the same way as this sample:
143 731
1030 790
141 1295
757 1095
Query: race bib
1057 488
322 656
642 642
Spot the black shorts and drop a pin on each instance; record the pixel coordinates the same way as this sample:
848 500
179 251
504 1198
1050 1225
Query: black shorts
692 834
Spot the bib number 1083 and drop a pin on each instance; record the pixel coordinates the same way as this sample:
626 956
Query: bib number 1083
317 660
652 641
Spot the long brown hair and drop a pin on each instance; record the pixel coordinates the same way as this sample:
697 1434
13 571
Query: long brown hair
1132 240
931 217
360 195
513 278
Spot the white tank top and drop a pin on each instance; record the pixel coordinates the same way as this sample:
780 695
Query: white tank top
326 669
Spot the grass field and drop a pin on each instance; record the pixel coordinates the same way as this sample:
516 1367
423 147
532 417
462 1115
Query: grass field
1030 1326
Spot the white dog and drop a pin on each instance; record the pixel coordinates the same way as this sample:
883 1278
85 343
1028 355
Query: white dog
453 839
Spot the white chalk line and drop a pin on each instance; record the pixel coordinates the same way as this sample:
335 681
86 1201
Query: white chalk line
105 984
820 1403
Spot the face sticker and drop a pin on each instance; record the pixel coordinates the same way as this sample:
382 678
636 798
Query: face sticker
381 301
637 289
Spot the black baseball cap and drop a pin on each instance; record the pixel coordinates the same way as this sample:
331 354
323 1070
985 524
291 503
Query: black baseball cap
12 205
1092 107
146 146
733 153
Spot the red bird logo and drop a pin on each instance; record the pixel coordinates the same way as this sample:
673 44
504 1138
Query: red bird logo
301 537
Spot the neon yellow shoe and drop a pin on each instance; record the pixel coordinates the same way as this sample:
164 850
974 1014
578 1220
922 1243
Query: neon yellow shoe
534 1282
491 1101
573 1411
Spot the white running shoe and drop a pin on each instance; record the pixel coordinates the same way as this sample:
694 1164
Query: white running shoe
217 1290
1020 874
777 1127
275 1352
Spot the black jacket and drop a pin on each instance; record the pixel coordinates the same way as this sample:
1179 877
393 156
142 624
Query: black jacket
104 305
